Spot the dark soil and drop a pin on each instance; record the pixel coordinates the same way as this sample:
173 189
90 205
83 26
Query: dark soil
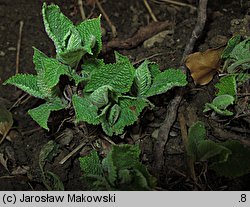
26 138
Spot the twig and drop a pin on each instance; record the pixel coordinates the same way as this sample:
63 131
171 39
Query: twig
108 139
150 11
112 27
19 46
147 58
20 101
141 35
198 29
80 4
72 153
175 102
179 4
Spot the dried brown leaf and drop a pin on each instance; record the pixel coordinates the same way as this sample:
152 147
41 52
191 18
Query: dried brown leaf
204 65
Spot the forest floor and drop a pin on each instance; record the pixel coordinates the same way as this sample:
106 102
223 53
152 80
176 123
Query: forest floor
22 147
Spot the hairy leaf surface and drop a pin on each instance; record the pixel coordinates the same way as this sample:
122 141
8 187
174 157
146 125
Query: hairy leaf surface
219 105
118 75
90 164
90 32
143 78
57 25
165 81
227 85
230 46
27 83
41 113
85 110
130 110
100 97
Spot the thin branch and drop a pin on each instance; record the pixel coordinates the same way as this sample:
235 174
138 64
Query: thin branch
177 3
19 46
173 105
112 27
141 35
150 11
73 152
80 4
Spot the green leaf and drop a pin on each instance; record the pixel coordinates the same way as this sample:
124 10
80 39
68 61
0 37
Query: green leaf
119 158
85 110
125 156
27 83
110 168
114 114
54 180
52 70
227 85
196 134
142 78
90 65
71 57
49 71
219 105
57 25
239 57
47 153
124 176
119 170
241 51
91 35
100 97
38 58
238 162
41 113
74 41
165 81
230 46
130 110
154 69
91 164
242 78
151 180
126 160
119 75
211 151
78 78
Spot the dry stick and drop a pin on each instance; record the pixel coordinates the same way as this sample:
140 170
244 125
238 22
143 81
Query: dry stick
179 3
113 28
80 4
150 11
175 102
80 146
19 46
148 58
141 35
